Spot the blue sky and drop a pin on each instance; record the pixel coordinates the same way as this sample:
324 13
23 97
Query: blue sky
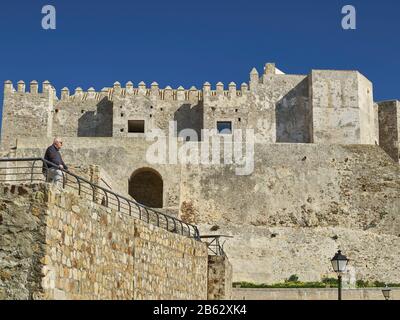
189 42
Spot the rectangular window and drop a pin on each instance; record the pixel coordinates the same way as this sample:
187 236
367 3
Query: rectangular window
136 126
224 127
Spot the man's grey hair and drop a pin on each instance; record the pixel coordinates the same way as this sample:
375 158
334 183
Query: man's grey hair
57 139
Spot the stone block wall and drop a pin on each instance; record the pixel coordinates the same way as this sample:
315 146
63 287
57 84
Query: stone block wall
312 294
301 200
324 107
219 278
55 245
22 241
342 105
26 113
389 128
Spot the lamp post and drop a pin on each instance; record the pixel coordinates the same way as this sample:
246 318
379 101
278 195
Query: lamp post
339 264
386 292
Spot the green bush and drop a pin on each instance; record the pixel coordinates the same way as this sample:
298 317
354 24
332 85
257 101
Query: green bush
293 278
330 282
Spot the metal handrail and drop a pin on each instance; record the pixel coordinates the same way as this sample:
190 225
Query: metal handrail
214 246
186 229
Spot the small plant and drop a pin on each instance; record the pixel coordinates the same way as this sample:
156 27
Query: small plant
362 284
330 282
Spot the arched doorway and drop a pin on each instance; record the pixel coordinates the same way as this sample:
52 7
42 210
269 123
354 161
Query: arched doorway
146 187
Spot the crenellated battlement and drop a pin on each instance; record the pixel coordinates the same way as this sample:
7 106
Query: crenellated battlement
152 91
280 107
33 87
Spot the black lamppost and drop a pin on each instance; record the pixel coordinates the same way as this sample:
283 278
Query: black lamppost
339 264
386 292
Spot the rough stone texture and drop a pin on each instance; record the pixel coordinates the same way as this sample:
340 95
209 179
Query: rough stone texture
118 159
26 114
70 248
299 199
311 294
342 108
219 278
324 107
389 128
300 187
22 241
273 254
343 183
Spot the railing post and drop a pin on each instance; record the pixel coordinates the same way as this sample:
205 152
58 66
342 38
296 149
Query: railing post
130 208
79 186
106 198
119 203
64 178
33 165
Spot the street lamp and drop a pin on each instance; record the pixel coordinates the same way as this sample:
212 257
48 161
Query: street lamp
339 264
386 292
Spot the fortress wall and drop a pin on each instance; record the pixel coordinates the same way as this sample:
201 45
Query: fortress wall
313 294
304 185
292 184
278 105
221 105
389 128
376 123
22 241
336 108
367 112
26 114
83 118
347 192
219 278
118 157
70 248
276 108
299 199
264 254
156 113
293 113
326 107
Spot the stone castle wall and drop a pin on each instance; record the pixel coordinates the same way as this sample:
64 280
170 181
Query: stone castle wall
219 278
322 107
301 198
389 122
312 294
54 245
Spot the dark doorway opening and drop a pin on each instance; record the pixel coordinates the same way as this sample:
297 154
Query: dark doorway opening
146 187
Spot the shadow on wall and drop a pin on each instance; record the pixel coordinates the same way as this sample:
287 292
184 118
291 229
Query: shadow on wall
97 123
294 115
190 117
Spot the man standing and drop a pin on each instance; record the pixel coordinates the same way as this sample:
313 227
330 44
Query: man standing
53 172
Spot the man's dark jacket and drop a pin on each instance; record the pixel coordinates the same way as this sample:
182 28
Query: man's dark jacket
53 155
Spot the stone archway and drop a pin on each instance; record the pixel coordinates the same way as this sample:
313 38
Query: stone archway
146 187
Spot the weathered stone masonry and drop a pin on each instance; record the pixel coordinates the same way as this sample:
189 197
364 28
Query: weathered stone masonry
326 173
55 245
326 106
